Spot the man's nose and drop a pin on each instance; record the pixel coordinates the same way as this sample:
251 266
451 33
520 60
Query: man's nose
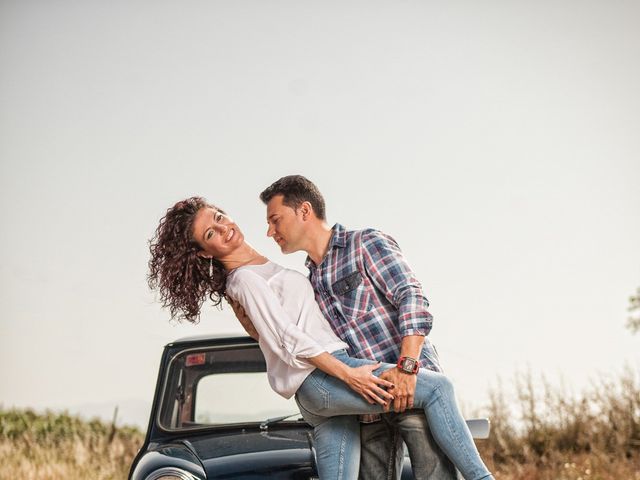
270 231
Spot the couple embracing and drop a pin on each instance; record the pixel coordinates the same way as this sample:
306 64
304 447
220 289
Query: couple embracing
349 342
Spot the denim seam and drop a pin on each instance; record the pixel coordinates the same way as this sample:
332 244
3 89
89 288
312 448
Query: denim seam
323 391
342 450
391 466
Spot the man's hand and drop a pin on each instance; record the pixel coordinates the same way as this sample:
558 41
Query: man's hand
405 383
404 390
244 320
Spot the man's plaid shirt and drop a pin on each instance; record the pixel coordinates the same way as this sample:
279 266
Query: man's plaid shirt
371 297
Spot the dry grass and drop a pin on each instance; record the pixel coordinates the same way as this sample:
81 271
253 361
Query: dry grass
543 433
549 434
59 446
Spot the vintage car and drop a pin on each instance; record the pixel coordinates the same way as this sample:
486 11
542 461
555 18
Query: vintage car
214 416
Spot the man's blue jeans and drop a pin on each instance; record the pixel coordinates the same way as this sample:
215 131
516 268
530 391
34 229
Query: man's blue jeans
322 396
382 449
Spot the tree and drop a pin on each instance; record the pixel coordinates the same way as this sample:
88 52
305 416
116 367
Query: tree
633 323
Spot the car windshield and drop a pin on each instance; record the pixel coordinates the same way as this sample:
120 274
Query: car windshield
219 385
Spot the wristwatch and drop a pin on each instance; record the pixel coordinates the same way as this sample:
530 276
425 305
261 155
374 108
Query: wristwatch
408 365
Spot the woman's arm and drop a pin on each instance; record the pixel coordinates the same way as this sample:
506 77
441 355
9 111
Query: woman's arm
277 330
360 379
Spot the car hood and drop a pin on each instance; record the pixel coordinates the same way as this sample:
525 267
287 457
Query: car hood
252 453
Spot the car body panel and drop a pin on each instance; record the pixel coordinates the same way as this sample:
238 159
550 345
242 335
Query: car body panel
283 449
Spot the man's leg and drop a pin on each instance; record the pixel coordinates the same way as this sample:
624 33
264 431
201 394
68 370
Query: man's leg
382 451
427 459
382 456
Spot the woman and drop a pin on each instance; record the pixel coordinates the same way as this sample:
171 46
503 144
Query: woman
199 252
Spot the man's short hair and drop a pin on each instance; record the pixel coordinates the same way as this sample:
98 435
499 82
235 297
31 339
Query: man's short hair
296 189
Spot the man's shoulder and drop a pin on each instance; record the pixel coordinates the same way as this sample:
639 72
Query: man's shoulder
366 237
363 234
363 244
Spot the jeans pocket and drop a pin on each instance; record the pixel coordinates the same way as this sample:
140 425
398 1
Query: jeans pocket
312 394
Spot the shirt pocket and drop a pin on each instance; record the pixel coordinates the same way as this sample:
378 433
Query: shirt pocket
353 295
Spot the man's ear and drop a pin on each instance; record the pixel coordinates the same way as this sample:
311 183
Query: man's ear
306 209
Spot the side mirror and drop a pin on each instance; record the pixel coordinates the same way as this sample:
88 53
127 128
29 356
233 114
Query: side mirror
479 427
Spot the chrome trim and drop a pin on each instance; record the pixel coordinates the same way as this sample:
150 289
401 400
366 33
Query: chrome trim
176 472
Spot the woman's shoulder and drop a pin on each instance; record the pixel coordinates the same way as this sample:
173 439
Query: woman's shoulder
242 281
265 271
243 275
254 273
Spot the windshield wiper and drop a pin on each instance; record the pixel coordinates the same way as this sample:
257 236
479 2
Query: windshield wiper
270 421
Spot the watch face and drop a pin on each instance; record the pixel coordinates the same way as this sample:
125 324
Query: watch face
409 365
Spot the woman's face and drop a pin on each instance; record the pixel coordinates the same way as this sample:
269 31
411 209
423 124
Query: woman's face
216 233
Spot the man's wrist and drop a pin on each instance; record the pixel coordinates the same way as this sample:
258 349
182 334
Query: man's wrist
408 365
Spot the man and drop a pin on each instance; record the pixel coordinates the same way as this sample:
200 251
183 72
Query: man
374 303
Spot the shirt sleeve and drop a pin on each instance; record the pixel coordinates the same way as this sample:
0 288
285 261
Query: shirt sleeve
277 329
391 274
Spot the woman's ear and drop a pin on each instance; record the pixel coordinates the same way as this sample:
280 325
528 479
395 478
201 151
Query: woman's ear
203 254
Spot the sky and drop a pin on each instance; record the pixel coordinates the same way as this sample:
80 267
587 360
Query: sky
496 141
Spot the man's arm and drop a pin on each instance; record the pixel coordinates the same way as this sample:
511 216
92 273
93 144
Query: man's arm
389 271
391 274
244 319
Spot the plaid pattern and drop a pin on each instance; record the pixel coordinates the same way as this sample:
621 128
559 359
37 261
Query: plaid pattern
371 297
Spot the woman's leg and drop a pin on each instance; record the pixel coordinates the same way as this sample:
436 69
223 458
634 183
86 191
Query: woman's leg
337 444
327 396
434 393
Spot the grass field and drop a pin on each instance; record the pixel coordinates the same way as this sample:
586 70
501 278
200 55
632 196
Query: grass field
543 433
546 433
52 446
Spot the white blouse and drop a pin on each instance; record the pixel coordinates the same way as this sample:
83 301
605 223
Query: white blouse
281 304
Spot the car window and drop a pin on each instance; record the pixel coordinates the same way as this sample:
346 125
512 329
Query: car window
239 397
218 385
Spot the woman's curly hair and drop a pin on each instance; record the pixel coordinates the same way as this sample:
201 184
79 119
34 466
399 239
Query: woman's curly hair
183 278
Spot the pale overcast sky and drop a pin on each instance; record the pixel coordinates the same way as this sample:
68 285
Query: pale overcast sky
496 141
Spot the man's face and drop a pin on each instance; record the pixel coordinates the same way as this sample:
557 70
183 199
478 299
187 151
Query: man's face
285 225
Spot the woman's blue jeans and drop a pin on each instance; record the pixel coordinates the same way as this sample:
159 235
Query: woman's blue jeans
322 396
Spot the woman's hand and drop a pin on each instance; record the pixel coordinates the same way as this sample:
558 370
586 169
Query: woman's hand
363 381
359 379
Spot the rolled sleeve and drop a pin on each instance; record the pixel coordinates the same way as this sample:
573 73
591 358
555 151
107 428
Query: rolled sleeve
391 274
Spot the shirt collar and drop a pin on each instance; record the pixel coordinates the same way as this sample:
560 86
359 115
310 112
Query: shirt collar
338 239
